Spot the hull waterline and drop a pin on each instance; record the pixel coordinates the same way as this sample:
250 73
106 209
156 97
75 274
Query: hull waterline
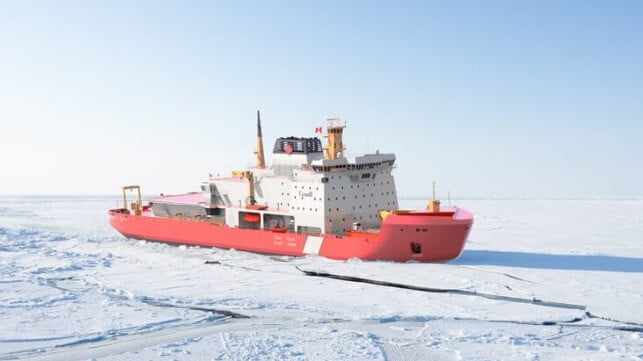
419 237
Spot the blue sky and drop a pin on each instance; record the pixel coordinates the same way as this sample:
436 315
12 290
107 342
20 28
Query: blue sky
488 98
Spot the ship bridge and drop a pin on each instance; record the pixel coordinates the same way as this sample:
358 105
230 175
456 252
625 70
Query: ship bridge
375 161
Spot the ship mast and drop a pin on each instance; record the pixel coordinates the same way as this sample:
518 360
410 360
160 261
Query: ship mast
261 162
334 130
434 204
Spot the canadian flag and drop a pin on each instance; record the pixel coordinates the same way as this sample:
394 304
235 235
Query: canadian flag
318 130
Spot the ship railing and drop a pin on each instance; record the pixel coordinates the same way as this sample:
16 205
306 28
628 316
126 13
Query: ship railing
218 221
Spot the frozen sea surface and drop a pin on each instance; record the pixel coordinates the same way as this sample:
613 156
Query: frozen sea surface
72 288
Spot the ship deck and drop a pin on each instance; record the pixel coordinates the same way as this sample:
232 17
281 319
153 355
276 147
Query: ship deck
187 198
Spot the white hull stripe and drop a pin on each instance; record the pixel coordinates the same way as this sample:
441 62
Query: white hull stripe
313 244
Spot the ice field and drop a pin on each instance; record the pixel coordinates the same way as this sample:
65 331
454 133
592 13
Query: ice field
538 280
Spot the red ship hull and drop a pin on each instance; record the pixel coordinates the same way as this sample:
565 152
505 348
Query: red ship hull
414 236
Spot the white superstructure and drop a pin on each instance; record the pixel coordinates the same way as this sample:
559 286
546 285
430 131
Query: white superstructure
307 189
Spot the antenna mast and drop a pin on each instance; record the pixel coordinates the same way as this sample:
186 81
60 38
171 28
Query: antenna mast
335 130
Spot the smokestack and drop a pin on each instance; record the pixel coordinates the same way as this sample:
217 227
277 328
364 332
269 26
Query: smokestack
258 125
261 162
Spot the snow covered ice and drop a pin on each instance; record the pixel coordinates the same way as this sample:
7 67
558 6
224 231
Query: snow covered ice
72 288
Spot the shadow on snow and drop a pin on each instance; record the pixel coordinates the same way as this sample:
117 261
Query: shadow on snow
550 261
